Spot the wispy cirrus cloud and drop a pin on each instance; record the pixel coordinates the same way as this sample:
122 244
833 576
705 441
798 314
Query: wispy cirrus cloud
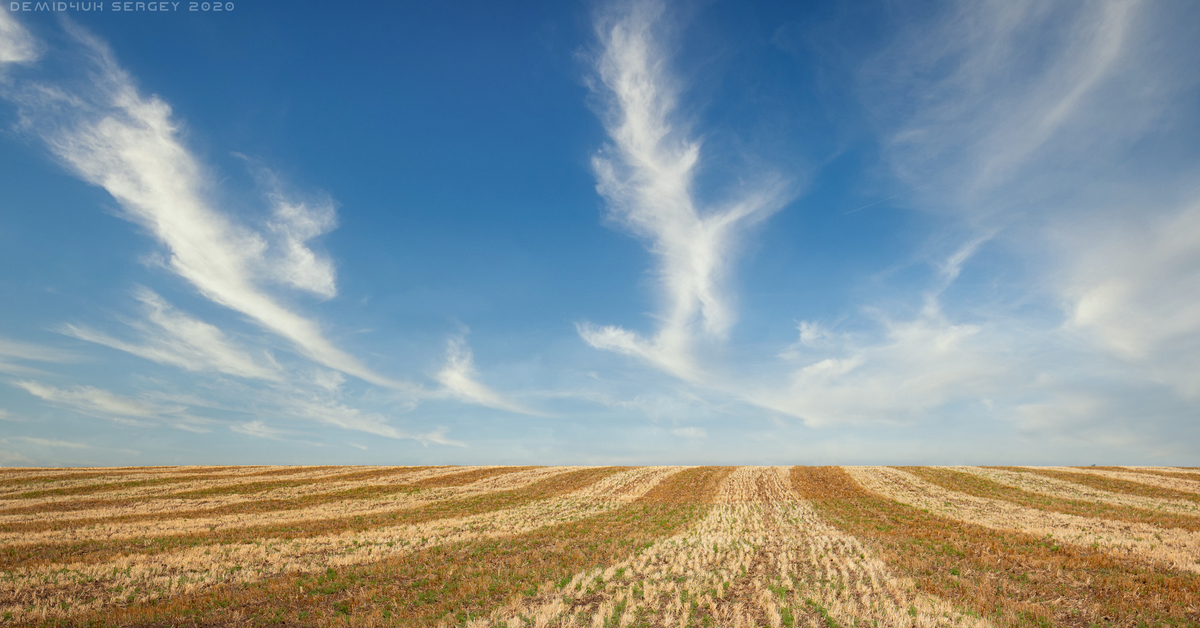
50 442
329 410
646 175
12 352
169 336
1003 86
101 403
459 380
1001 115
1023 131
17 45
258 429
111 135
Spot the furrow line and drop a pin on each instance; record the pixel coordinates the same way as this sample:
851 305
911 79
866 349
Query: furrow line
70 504
274 513
1170 483
1053 487
71 589
1013 578
150 516
760 558
1173 548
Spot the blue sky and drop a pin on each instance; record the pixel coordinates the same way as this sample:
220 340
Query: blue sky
592 233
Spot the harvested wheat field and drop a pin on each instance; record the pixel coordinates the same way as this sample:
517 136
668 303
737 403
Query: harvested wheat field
600 546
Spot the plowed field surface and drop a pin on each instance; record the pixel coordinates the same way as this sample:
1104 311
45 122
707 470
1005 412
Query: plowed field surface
725 547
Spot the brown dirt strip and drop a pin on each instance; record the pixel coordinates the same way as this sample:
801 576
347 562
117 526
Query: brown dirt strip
88 552
210 484
1011 578
269 505
980 487
1179 475
117 473
759 558
251 488
445 584
1170 548
1107 484
35 476
1063 489
105 487
145 501
1191 485
167 524
49 591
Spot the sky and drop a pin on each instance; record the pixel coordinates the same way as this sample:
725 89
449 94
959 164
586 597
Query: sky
630 232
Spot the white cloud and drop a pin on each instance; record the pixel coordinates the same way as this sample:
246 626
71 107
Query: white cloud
16 44
293 225
459 379
258 429
52 442
1002 85
1135 289
172 337
104 404
12 351
646 176
112 136
918 366
1034 118
327 410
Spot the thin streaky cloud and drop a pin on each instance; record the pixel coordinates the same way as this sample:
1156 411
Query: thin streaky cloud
172 337
12 352
17 45
646 175
323 408
52 442
460 380
114 137
992 105
104 404
1085 64
36 353
258 429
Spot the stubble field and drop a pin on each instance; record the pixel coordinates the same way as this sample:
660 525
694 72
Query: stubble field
600 546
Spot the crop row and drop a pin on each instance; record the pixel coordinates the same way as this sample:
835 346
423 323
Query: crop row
601 546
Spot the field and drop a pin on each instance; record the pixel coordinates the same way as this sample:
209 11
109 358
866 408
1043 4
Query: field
600 546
